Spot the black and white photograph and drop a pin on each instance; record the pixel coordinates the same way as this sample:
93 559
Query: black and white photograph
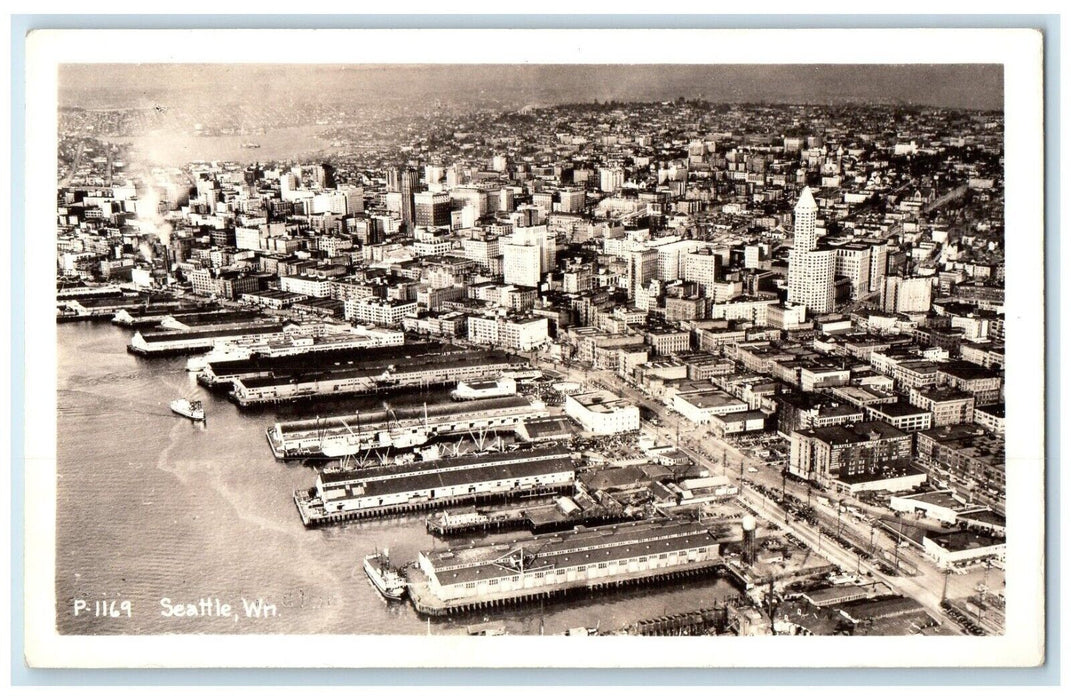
423 349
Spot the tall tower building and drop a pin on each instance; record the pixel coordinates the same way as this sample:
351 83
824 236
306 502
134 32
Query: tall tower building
405 181
408 182
642 268
810 269
878 255
804 237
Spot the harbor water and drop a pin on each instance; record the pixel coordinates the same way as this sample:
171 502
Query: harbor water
153 506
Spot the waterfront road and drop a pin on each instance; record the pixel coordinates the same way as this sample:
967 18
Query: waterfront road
719 456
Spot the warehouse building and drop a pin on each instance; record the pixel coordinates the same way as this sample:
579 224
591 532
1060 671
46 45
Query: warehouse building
552 563
428 484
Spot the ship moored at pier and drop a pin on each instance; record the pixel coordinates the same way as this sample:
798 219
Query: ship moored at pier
390 584
398 428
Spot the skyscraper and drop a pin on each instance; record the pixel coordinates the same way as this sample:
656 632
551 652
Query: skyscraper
406 181
642 268
804 237
853 262
432 209
810 269
520 264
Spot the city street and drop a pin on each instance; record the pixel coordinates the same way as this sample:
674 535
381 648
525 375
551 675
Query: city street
721 457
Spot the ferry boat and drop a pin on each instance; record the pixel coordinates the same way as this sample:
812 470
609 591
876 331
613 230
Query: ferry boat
193 410
390 584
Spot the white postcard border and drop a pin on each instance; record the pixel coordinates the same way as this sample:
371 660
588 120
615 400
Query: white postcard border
1018 50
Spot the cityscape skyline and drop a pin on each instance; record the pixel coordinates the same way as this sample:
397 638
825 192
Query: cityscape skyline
129 86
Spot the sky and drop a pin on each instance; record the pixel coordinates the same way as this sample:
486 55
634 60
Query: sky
104 86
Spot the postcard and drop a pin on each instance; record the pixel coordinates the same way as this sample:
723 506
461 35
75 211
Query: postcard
645 348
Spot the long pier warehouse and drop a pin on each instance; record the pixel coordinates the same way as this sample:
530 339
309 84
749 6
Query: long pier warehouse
380 491
472 577
223 373
358 377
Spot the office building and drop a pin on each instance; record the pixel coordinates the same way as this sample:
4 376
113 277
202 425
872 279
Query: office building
906 295
810 269
432 209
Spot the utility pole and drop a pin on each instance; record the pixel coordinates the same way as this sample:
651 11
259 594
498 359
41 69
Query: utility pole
899 539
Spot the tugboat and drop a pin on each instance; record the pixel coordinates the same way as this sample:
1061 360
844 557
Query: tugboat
390 584
193 410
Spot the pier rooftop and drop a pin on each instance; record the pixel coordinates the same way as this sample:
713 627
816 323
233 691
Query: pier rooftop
368 420
192 320
440 472
543 565
315 370
182 342
369 493
370 358
581 546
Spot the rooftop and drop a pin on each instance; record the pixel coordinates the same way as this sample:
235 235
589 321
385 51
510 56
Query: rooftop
580 547
898 410
710 398
937 498
962 369
601 401
863 431
964 540
876 608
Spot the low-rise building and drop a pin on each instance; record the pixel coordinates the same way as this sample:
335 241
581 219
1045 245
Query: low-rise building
982 383
967 458
272 298
962 547
866 451
379 312
940 504
802 411
990 417
736 423
701 406
602 413
306 285
948 406
510 332
669 342
901 415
